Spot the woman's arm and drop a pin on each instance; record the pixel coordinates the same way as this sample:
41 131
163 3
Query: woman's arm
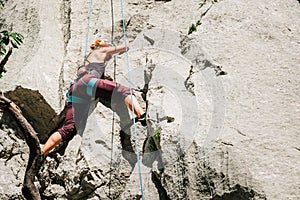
116 49
103 54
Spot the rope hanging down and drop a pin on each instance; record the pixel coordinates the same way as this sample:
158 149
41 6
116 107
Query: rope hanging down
113 114
134 123
88 29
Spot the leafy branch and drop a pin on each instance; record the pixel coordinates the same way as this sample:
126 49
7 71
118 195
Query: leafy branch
8 40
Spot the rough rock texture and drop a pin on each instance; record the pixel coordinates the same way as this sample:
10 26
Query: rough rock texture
13 158
231 86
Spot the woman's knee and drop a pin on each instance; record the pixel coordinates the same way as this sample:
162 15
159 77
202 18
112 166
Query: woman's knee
56 137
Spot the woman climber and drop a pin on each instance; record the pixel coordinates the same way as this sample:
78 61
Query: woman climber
90 85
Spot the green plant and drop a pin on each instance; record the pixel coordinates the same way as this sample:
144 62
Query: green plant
6 38
2 2
193 27
156 134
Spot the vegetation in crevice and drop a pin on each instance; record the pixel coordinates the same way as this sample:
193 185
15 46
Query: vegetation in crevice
195 25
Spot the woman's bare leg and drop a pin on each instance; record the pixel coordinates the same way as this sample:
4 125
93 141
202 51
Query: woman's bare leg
53 140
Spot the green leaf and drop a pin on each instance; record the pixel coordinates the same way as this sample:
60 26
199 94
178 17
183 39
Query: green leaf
2 51
157 133
13 35
19 41
1 76
5 33
18 38
14 44
192 29
198 23
5 41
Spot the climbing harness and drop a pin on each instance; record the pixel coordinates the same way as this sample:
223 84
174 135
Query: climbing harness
89 90
90 85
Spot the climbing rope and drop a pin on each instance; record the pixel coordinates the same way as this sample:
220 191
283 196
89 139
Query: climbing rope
88 29
130 86
114 78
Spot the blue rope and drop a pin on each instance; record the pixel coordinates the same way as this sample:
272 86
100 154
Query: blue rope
134 124
88 30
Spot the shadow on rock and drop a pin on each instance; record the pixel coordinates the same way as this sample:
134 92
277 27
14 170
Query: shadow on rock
37 111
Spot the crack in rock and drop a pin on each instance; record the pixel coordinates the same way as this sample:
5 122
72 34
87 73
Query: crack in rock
188 83
191 50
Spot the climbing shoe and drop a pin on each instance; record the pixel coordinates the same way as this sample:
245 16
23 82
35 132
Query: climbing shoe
142 119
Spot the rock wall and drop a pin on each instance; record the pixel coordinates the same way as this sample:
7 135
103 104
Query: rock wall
223 101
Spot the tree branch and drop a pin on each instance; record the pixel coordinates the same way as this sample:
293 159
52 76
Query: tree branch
29 190
4 60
